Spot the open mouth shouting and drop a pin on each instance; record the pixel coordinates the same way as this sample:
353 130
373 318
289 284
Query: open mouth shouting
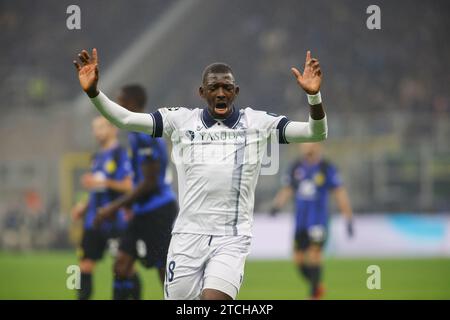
221 108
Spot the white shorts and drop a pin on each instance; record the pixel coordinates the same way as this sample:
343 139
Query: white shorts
196 262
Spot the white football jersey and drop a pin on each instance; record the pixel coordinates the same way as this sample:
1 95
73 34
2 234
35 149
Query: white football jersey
218 164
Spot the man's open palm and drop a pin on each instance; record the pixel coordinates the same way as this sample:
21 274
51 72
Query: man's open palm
311 78
87 69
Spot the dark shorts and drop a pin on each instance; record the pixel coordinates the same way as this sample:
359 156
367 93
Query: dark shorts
316 235
147 236
94 243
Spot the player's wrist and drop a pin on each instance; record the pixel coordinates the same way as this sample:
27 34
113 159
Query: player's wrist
92 93
314 99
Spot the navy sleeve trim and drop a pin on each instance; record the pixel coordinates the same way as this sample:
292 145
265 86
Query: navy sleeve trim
281 127
158 124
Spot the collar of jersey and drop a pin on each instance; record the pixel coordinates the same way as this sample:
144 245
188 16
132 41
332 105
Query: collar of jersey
231 121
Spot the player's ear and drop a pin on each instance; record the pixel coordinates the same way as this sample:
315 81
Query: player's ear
236 90
201 92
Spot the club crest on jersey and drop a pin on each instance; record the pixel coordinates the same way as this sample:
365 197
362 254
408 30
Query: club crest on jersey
190 134
110 166
319 179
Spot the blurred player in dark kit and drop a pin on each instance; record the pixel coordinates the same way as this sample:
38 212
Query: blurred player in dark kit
152 203
310 179
110 176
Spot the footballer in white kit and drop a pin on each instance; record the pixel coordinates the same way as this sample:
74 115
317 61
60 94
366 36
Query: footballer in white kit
218 152
218 163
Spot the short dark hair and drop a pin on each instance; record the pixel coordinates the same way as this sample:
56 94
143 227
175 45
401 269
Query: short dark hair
216 67
136 93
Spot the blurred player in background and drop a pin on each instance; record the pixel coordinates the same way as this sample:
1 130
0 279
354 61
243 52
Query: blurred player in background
212 234
152 201
310 179
110 177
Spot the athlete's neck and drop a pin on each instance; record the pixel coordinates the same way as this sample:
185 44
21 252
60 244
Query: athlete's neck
109 144
311 161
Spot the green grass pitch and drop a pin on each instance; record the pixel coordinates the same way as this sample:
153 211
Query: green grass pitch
43 276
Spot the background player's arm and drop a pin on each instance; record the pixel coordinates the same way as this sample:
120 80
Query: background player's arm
343 202
281 198
79 210
90 182
316 128
145 188
88 75
122 186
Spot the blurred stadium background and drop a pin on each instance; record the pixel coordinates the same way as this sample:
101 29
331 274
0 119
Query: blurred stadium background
386 93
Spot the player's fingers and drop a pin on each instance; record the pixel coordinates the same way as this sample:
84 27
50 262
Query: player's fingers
85 54
94 56
308 56
296 73
76 65
315 65
83 58
311 61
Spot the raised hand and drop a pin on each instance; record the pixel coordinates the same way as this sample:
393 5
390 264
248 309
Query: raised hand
88 72
311 78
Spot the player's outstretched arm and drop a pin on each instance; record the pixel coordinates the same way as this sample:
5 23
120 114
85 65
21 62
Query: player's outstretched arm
281 199
343 203
79 210
88 74
310 81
